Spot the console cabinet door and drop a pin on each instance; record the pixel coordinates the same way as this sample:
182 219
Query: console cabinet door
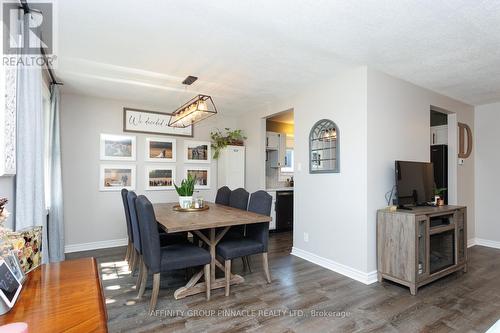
461 235
422 250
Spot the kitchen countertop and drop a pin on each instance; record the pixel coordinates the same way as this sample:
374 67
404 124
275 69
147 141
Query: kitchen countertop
279 189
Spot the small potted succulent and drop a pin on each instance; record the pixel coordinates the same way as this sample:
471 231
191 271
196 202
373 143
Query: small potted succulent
221 140
438 196
185 191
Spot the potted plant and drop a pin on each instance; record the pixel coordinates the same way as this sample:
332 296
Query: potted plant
185 191
438 196
221 140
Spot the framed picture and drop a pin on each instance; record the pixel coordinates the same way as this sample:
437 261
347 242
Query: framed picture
115 177
160 178
197 151
201 174
151 122
12 261
160 150
117 147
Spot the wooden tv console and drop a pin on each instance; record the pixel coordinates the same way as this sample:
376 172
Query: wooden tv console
418 246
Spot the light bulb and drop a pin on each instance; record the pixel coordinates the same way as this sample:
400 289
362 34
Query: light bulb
202 105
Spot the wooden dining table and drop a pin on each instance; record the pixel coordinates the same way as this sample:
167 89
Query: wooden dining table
217 219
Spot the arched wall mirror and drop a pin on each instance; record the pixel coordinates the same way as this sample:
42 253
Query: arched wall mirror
324 147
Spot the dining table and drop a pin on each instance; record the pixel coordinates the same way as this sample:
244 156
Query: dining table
217 219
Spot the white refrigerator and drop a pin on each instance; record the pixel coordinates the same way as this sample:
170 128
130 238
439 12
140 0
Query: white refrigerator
231 167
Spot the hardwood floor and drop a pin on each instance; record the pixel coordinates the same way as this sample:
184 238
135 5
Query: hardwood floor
467 302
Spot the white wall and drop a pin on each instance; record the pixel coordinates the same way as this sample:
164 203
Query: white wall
92 216
487 143
381 119
398 129
331 208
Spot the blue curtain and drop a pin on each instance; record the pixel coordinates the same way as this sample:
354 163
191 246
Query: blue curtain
55 226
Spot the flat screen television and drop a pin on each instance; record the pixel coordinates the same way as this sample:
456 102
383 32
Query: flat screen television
414 183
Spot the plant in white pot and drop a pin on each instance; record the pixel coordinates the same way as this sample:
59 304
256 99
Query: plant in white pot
185 191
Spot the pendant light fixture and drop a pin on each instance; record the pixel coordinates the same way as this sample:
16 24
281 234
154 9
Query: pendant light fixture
197 109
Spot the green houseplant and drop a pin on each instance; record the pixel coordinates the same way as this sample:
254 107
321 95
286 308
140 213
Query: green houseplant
185 191
438 195
221 140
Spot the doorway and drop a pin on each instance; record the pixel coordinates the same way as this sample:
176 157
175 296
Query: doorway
439 152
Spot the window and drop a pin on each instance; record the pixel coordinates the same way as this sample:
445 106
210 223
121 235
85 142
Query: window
288 168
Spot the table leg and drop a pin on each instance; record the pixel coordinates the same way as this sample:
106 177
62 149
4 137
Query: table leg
212 254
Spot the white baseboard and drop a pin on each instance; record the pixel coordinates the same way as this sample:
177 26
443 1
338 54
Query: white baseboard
363 277
471 242
95 245
487 243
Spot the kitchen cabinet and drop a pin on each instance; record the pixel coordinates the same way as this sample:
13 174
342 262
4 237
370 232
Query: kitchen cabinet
276 149
272 140
439 135
231 167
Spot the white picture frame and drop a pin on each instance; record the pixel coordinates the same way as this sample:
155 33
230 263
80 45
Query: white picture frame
148 186
206 170
9 277
114 177
157 148
117 147
197 151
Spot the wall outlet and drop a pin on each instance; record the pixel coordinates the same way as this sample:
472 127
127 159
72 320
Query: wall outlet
306 237
461 161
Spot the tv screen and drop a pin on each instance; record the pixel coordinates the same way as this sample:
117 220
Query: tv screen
414 182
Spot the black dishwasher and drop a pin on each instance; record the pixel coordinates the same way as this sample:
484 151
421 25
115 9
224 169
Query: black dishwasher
284 210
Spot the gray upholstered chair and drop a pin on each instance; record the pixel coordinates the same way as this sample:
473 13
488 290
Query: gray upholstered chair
238 199
158 259
136 260
130 245
223 196
254 242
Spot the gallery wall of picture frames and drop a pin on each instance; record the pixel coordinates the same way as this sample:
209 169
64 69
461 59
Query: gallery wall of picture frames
160 158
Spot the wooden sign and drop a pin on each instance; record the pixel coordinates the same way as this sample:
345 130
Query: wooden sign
151 122
463 130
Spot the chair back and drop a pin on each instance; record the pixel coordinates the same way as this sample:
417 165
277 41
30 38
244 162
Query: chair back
127 215
223 195
239 199
134 223
260 203
150 238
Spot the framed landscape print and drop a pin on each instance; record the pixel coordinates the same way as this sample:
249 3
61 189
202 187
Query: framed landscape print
114 177
151 122
201 174
197 151
160 150
160 178
117 147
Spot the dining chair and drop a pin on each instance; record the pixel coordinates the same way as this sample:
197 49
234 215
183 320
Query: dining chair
223 195
158 259
255 240
238 199
130 238
136 256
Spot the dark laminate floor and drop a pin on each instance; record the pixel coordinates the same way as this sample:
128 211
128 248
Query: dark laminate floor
459 303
